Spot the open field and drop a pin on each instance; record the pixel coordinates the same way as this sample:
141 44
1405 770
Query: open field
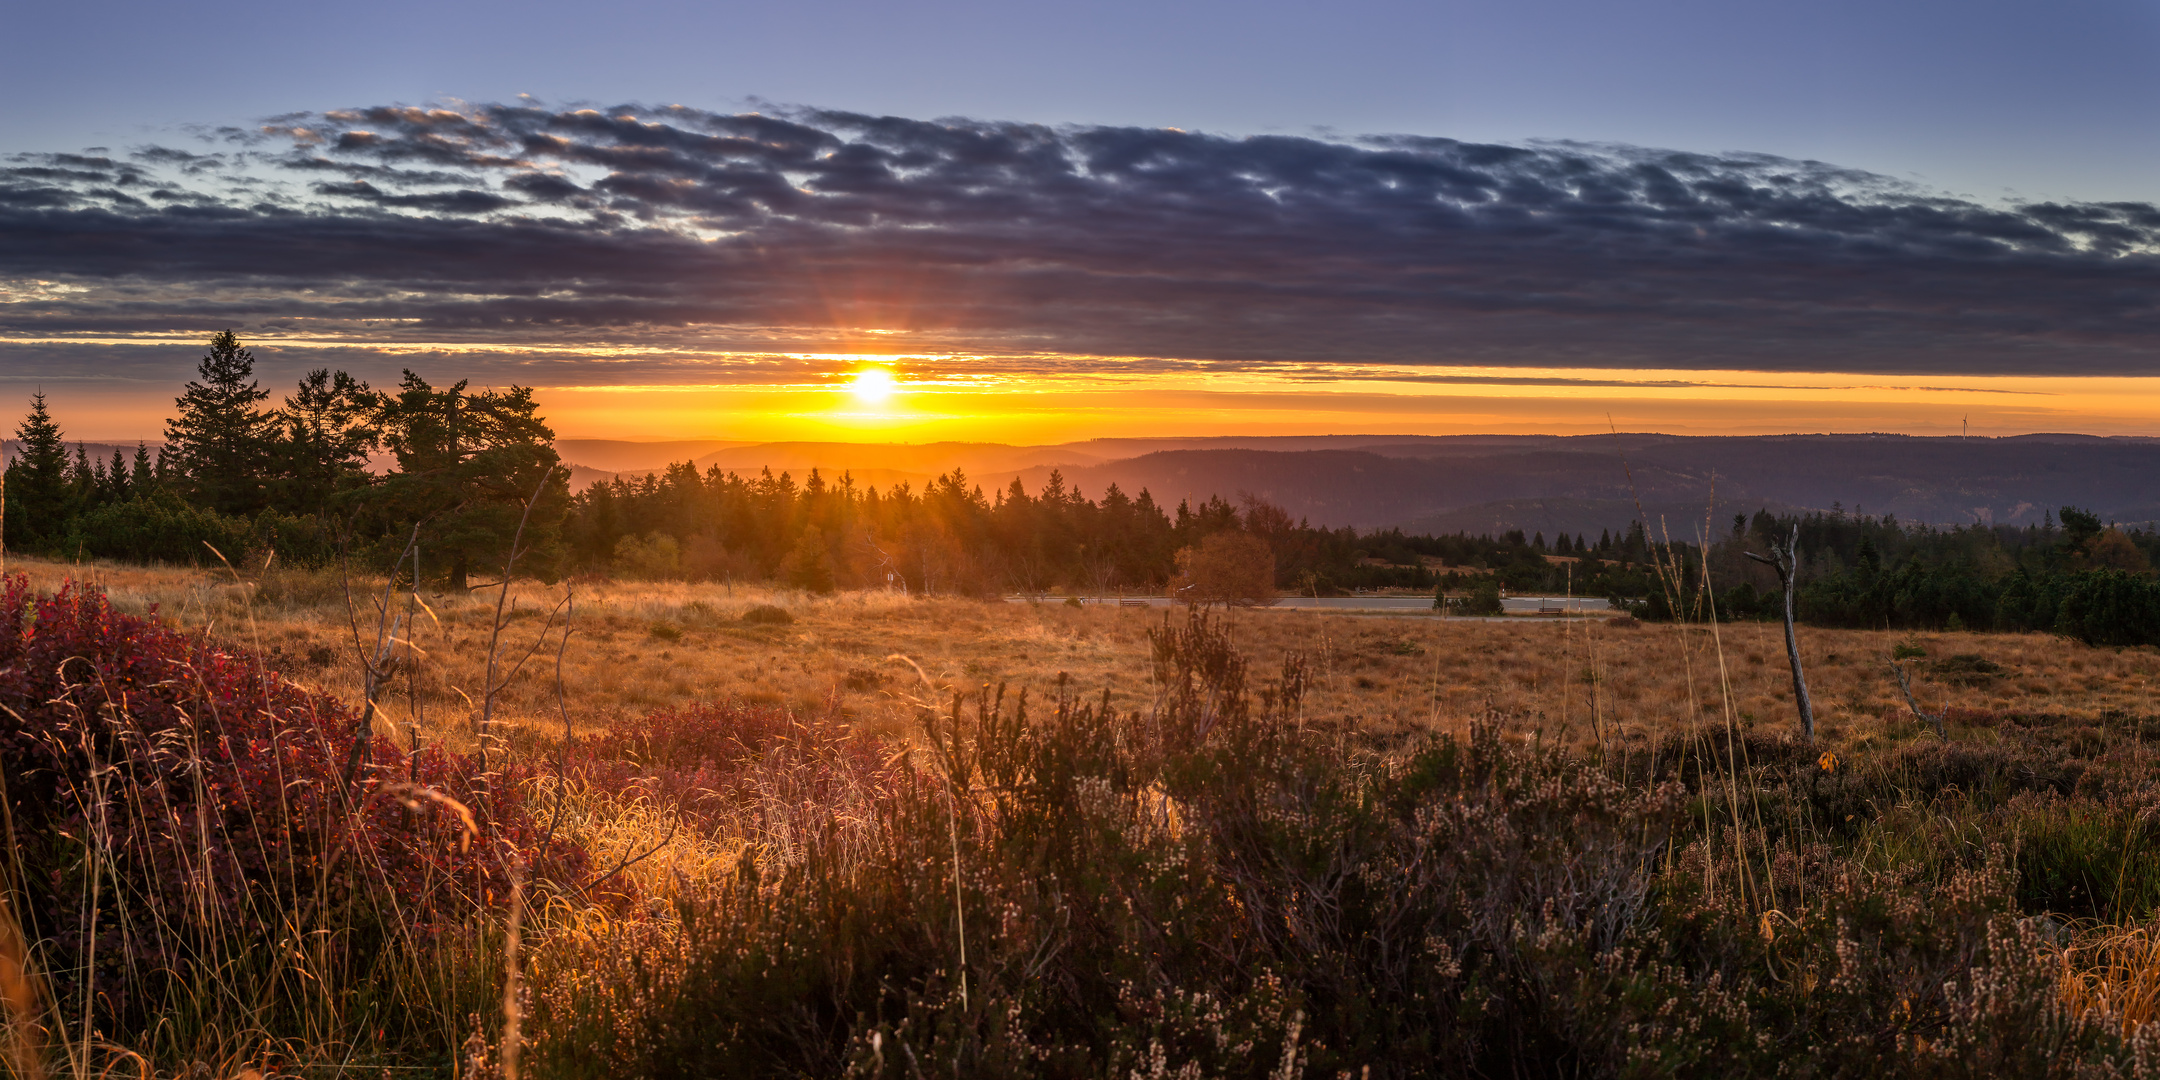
1413 847
640 646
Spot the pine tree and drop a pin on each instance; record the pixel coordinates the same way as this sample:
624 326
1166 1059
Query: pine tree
219 446
142 476
810 564
37 482
467 464
84 480
328 429
116 478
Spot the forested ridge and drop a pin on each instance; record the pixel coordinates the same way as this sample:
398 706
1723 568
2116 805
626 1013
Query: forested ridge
305 481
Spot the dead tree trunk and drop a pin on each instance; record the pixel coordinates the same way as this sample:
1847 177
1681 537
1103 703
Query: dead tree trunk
1785 559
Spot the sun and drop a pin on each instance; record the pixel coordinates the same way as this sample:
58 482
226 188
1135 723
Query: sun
872 386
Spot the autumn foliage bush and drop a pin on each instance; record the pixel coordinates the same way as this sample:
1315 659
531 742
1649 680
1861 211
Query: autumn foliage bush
179 819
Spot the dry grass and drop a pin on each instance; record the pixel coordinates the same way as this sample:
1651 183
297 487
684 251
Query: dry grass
2115 971
640 646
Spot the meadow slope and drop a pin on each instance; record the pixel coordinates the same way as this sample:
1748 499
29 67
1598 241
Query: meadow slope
636 646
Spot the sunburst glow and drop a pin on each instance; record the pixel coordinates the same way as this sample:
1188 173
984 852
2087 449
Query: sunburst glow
872 386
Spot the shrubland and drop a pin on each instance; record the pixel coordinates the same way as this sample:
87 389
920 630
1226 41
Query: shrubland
938 836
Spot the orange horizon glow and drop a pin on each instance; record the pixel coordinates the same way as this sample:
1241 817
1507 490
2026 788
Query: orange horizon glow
1040 409
866 398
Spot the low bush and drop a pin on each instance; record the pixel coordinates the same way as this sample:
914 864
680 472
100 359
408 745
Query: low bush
203 847
1484 598
2111 607
1215 887
162 527
1968 669
767 615
732 761
159 528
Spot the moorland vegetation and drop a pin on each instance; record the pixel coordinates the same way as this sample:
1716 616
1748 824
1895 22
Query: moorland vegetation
1612 858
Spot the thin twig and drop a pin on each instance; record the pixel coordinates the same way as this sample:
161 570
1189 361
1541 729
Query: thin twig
517 541
562 706
630 861
1904 681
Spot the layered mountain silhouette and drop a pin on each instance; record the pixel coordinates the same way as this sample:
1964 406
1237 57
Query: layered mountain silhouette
1492 483
1484 483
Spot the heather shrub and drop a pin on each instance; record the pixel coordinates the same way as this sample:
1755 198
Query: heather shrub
1215 886
198 842
1204 885
734 763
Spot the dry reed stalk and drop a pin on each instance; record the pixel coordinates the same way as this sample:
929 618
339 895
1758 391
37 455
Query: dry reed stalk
1732 727
378 664
2116 973
512 1006
959 909
495 629
19 993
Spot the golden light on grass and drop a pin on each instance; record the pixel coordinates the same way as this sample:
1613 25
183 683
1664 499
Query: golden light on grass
1386 674
810 802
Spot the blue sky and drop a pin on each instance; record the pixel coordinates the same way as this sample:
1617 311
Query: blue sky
2058 99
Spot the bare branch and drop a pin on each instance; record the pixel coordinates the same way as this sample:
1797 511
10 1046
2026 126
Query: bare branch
562 706
1904 681
517 541
630 861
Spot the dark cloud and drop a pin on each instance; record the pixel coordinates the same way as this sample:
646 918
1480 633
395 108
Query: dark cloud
804 229
464 201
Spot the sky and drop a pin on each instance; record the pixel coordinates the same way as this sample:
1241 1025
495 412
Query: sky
1033 222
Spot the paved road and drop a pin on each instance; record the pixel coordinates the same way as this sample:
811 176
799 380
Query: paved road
1419 606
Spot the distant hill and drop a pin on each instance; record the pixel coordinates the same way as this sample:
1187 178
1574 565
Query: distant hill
1491 483
624 455
993 465
1586 517
1488 483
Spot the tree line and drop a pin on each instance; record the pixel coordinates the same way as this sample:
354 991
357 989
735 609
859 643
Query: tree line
237 480
952 536
338 470
2070 573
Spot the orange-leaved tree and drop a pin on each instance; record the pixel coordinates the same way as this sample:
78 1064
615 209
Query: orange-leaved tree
1228 567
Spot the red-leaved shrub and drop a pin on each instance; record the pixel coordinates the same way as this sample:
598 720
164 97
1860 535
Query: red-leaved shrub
172 806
